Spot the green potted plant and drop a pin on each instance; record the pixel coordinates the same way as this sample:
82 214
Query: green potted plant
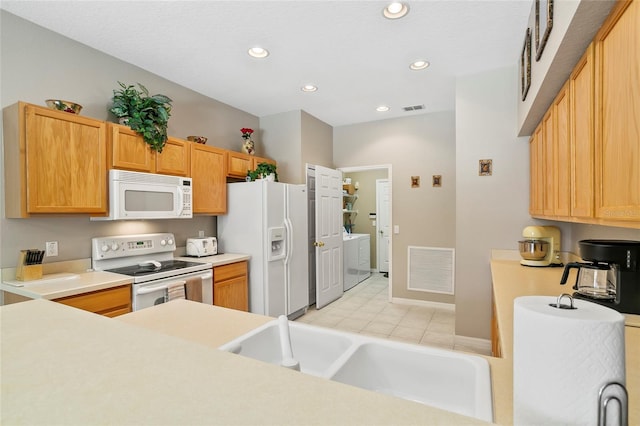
147 115
262 171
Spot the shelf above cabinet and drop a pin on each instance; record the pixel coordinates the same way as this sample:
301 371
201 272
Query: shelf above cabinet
345 211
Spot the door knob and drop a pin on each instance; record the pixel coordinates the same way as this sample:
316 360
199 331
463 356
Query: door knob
318 244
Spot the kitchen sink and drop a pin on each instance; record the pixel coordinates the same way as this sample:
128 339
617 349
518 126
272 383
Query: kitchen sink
445 379
314 348
449 380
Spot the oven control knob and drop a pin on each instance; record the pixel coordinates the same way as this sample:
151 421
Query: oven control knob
163 242
104 248
170 241
115 246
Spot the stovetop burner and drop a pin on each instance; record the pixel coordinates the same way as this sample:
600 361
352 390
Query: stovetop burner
148 268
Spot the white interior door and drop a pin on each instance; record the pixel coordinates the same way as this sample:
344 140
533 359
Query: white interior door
328 242
382 223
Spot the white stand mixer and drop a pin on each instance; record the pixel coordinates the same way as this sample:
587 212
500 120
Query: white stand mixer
534 235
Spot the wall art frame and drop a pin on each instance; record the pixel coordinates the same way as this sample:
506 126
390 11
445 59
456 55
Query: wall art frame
415 181
486 167
525 65
544 24
436 181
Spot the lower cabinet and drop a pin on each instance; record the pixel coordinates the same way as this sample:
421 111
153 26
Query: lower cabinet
110 302
231 286
495 334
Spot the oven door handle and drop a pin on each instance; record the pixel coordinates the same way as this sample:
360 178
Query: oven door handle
147 290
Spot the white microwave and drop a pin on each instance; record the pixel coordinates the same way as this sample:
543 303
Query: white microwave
135 195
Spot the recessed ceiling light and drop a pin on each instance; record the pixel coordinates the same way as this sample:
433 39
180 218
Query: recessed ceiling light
382 108
309 88
419 65
258 52
395 10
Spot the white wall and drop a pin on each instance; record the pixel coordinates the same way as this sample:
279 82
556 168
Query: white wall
38 64
491 211
418 145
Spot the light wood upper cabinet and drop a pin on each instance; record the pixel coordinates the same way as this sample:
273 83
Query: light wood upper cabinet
617 135
129 151
208 172
55 162
549 167
238 163
562 153
582 128
536 157
595 122
175 158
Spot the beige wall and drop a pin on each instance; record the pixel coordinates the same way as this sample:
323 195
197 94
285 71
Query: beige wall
491 211
38 64
282 138
295 138
317 143
418 145
365 204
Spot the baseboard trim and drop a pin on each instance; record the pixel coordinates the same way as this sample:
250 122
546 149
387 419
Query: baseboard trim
473 343
426 303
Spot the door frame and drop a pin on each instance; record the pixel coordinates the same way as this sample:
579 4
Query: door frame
388 168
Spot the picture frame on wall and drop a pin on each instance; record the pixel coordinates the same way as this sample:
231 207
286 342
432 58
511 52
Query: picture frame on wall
544 24
525 65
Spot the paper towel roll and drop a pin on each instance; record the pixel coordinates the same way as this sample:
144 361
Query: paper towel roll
561 359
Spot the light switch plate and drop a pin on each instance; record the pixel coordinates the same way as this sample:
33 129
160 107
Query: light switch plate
396 229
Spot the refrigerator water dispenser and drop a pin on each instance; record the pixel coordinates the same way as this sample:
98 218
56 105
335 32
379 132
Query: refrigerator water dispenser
276 239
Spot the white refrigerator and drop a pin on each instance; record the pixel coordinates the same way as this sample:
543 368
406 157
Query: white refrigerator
268 220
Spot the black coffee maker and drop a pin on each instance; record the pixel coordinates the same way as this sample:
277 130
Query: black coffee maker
611 276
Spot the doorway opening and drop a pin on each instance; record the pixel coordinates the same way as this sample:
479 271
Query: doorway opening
369 212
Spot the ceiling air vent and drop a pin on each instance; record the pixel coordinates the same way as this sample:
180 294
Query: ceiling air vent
413 108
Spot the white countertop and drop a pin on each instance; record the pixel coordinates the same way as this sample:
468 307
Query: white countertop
72 278
65 366
55 286
217 259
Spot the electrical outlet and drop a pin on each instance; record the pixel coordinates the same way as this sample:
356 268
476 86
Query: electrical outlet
200 234
51 248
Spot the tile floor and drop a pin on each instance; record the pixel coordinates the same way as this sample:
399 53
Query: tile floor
365 309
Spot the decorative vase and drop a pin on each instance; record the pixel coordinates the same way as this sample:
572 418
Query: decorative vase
248 147
124 121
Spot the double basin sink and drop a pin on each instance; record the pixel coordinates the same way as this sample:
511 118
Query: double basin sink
449 380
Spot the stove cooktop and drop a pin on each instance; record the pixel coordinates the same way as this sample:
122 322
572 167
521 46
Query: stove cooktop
144 269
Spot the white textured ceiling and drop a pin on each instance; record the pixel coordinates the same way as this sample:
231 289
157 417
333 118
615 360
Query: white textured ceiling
356 57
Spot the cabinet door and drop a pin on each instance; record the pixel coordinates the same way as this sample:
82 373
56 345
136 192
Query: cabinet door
239 164
110 302
175 158
232 293
208 171
582 128
562 153
129 151
536 199
548 157
257 160
65 162
231 286
617 140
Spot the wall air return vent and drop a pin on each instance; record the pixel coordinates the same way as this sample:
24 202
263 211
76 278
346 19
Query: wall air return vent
431 269
413 108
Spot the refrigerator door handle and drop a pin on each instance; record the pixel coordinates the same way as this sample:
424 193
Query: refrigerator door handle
289 240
